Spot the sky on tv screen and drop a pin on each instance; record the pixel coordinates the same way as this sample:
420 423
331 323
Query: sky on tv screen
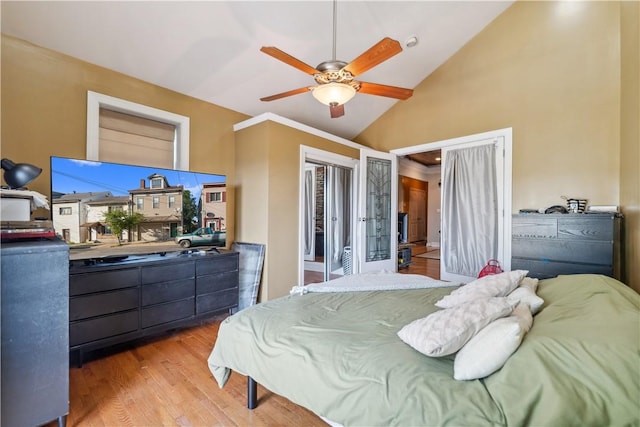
83 176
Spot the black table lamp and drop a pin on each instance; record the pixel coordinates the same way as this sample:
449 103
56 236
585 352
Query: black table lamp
19 175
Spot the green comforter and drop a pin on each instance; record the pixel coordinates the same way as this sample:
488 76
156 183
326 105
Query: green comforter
339 356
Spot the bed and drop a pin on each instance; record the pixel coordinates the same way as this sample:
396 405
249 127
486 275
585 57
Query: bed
338 354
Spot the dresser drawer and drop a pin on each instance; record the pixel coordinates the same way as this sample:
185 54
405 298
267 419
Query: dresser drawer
168 312
587 228
216 301
86 306
590 252
545 269
167 272
102 327
222 263
216 282
534 226
168 291
85 283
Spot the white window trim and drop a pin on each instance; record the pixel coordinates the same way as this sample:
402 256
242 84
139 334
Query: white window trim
95 101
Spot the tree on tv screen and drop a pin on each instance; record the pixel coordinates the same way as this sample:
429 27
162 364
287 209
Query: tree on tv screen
189 212
120 221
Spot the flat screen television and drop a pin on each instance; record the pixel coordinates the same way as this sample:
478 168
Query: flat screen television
107 210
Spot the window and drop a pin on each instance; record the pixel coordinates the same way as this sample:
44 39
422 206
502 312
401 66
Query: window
157 183
65 211
156 202
172 201
126 137
140 203
215 196
114 208
176 147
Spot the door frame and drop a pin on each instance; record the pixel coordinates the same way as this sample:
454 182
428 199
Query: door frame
507 135
314 154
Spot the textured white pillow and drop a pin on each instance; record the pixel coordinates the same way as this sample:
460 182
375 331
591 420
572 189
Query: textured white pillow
496 285
525 294
531 283
446 331
490 348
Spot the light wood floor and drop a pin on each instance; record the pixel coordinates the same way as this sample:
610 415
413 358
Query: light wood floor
166 382
425 266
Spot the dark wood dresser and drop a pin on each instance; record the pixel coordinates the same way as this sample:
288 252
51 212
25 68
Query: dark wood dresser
115 302
551 244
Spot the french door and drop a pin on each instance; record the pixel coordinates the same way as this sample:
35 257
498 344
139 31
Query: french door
377 247
364 208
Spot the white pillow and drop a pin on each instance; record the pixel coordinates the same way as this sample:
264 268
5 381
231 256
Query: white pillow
496 285
525 295
446 331
531 283
490 349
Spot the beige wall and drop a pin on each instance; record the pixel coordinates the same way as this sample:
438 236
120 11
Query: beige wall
563 75
551 71
630 138
44 109
268 188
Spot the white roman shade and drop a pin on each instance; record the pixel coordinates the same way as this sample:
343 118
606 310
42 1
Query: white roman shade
125 138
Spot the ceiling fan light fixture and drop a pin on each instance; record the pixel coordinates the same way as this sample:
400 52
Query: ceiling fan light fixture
334 93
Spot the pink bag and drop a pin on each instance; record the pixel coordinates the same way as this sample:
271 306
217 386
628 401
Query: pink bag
492 267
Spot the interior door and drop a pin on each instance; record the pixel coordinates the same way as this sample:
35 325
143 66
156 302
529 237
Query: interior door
417 214
377 247
422 215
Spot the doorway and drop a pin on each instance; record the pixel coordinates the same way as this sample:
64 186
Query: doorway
503 137
424 174
328 196
413 196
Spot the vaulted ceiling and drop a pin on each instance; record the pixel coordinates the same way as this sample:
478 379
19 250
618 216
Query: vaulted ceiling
211 49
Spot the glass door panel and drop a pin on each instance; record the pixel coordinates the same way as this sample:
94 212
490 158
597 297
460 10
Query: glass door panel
378 212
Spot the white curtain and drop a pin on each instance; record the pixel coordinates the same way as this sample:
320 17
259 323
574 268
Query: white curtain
469 209
340 214
309 226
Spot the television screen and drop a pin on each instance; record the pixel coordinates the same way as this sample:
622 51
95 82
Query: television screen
111 209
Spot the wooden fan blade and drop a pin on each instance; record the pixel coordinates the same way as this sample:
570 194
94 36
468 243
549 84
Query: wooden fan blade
384 90
285 94
336 111
378 53
288 59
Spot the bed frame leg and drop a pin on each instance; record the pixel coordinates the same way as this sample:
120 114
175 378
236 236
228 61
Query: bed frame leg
252 393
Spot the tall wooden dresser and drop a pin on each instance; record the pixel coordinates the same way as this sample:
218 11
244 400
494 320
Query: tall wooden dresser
551 244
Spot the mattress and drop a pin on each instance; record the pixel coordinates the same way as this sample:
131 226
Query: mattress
339 355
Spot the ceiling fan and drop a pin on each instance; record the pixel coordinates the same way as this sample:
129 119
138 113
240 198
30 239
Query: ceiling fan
335 79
